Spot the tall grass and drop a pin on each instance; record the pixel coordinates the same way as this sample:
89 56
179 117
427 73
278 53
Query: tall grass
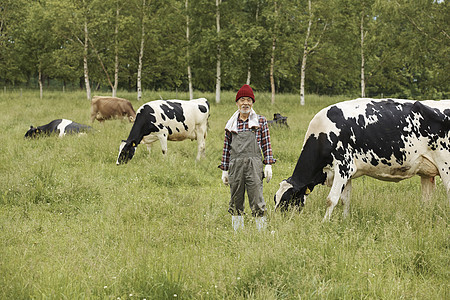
76 226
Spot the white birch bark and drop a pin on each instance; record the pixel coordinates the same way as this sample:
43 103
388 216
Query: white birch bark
218 71
85 62
41 86
272 56
191 90
249 74
272 67
363 82
116 53
141 54
306 52
305 57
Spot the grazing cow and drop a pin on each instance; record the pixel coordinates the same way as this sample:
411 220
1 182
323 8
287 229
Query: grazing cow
104 108
173 120
59 126
386 139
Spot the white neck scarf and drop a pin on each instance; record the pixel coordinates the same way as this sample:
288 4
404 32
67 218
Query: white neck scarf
232 122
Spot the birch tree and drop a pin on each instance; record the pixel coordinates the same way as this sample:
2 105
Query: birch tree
307 50
218 70
108 13
272 55
188 57
85 60
71 24
116 51
141 52
363 34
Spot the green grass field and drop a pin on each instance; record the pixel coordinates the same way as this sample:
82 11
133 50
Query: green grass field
73 225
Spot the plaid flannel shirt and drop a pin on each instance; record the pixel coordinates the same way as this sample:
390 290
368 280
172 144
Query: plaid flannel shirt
262 136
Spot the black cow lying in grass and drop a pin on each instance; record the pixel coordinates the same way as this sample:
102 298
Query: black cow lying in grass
59 126
278 120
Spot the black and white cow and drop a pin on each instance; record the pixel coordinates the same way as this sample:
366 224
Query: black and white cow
59 126
163 120
387 139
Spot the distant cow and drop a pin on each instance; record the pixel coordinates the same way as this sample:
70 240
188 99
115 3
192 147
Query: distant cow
386 139
104 108
59 126
163 120
278 120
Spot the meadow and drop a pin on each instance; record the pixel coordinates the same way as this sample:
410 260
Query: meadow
73 225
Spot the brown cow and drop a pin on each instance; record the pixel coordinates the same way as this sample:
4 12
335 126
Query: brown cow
104 108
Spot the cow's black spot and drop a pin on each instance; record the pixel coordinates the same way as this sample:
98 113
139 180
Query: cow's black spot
202 108
173 110
314 157
144 124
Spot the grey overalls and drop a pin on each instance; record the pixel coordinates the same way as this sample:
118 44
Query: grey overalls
246 172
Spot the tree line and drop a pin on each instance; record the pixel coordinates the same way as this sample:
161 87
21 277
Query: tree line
395 48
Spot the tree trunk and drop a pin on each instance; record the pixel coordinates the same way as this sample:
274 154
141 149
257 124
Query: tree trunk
307 51
191 90
218 71
116 54
141 54
272 56
272 67
363 82
305 56
302 78
85 61
249 68
41 87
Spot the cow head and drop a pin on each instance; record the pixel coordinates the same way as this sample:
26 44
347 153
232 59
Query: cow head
32 132
289 196
126 151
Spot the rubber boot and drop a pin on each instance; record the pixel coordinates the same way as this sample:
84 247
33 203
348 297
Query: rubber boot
238 222
260 223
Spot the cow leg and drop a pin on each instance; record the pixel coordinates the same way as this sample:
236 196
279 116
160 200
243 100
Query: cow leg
200 132
345 197
428 186
163 141
338 186
148 140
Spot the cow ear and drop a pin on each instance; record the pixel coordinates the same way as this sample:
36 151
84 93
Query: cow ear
31 127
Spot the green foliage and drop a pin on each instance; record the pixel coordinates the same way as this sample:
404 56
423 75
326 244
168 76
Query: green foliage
74 225
406 44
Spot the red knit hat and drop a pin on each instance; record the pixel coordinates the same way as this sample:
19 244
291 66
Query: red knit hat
245 91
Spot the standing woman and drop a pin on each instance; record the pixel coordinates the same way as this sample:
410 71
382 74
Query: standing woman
246 148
